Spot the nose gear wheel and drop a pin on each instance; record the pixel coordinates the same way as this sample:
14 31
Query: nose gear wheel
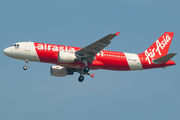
26 62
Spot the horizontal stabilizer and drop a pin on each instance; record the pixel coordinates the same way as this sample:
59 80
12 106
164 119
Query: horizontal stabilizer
164 58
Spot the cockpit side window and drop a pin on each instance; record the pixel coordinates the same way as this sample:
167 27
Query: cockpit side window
15 45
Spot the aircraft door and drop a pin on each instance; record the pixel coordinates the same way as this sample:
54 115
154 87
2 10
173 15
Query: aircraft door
28 46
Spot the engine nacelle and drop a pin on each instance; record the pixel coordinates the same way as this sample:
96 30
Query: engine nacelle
60 71
66 57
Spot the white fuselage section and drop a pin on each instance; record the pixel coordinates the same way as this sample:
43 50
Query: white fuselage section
133 61
22 51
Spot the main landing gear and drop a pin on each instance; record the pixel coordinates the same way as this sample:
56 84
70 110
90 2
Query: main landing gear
81 78
26 62
86 69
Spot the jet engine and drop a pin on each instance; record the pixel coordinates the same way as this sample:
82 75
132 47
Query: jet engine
60 71
66 57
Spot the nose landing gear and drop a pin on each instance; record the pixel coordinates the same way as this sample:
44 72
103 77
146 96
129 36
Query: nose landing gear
25 68
26 62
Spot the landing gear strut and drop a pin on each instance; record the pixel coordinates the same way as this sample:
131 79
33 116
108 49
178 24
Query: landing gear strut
86 69
26 62
81 78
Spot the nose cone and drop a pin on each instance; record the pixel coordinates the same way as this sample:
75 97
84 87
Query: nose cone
7 51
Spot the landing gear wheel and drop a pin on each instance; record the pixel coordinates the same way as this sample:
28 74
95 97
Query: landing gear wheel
26 63
86 69
25 67
81 78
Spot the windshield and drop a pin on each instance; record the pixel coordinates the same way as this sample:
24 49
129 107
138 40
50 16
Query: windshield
15 45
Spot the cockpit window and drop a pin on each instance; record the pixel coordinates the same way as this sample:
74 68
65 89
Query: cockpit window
15 45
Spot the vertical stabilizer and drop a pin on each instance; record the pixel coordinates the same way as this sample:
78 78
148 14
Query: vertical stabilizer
159 48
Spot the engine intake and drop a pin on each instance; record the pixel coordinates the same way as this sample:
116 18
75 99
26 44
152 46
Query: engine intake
60 71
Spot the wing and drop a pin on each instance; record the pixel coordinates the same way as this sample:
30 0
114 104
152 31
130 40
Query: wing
91 50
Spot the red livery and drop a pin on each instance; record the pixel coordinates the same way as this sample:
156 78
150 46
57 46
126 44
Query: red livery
70 59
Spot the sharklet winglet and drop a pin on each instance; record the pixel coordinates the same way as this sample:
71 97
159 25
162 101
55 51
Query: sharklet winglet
117 33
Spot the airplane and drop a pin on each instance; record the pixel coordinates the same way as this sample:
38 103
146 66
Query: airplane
68 59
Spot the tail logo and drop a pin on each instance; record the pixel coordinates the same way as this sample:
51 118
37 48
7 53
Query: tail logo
150 53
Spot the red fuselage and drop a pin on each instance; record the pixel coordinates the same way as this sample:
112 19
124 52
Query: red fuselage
109 60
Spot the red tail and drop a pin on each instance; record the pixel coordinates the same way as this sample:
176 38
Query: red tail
158 48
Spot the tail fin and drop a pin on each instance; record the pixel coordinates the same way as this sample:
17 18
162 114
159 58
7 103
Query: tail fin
159 48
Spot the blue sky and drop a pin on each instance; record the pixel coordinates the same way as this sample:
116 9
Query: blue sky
35 94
